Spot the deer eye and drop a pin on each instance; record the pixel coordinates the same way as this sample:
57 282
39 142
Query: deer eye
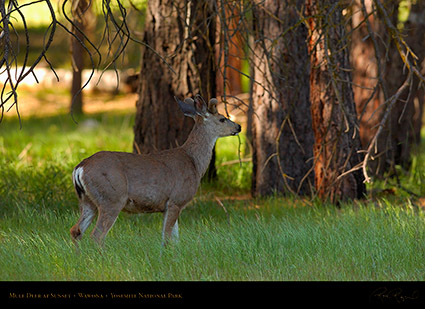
222 120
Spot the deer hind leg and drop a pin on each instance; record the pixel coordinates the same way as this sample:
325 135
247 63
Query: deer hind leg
170 228
87 213
105 221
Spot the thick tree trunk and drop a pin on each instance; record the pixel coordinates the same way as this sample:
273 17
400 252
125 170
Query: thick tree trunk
369 52
281 122
337 140
415 28
365 74
230 50
181 34
403 130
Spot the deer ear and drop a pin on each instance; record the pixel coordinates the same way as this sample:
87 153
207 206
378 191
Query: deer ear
187 107
212 106
200 106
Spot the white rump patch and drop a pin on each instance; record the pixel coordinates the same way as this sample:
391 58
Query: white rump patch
77 175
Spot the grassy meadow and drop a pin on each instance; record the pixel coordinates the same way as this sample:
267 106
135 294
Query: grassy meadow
224 234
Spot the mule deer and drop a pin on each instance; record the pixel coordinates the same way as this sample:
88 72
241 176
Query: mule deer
111 182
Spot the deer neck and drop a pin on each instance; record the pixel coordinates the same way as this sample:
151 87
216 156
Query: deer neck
199 146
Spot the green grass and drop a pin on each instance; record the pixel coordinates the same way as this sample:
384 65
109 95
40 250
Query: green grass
278 238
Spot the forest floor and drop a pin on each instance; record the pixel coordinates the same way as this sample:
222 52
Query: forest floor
40 101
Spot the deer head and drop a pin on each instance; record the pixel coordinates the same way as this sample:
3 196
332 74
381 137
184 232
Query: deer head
208 115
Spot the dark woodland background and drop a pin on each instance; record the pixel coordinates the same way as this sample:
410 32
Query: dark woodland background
335 88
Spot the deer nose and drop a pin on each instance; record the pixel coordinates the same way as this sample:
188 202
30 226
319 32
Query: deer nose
238 127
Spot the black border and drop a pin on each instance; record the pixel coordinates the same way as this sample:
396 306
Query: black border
212 293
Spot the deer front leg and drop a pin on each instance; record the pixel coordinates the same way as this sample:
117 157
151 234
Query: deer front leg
170 228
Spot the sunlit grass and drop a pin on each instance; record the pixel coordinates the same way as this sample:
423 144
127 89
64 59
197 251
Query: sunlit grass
221 237
275 243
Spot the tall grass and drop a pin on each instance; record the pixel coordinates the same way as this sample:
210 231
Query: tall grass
278 238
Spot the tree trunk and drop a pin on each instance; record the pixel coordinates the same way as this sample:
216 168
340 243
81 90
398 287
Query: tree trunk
230 50
365 74
80 18
178 62
405 121
369 52
415 27
281 122
337 140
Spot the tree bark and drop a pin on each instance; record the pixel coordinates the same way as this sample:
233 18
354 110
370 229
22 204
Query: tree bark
415 28
334 118
367 94
178 62
230 50
403 128
281 122
376 58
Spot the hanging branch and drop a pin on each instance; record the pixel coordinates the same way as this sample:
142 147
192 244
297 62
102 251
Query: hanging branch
410 61
116 36
10 52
